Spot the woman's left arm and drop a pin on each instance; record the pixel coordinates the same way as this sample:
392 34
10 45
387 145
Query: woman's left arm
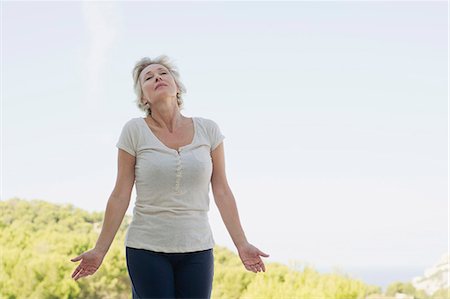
224 199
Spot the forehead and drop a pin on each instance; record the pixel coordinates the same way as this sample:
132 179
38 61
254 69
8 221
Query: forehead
152 68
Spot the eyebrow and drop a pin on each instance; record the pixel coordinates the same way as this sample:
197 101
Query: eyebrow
160 68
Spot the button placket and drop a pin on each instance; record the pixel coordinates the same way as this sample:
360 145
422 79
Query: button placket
178 174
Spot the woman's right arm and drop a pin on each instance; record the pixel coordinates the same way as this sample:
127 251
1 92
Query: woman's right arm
118 201
115 210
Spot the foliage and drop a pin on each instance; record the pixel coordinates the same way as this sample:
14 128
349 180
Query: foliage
38 239
441 294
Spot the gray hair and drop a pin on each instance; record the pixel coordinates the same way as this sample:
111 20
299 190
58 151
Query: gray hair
141 65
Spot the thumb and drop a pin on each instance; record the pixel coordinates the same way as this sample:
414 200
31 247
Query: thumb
263 254
76 258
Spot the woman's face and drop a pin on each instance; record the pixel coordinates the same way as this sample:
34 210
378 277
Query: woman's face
157 83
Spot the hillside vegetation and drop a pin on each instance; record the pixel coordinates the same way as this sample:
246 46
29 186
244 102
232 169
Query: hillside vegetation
38 239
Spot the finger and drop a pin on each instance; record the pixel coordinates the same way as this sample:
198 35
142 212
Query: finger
76 258
263 254
77 270
79 275
258 266
76 276
251 267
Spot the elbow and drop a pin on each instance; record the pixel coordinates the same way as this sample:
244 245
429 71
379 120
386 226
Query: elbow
120 201
222 195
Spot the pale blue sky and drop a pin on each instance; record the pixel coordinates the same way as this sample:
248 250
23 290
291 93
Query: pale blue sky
335 115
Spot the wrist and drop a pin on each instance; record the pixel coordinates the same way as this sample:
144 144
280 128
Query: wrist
101 250
241 244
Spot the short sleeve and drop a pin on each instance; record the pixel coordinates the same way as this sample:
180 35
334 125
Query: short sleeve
215 135
128 138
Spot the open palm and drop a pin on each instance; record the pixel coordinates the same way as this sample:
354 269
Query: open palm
250 257
90 262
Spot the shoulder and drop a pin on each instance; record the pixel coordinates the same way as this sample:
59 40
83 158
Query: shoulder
133 122
131 126
207 122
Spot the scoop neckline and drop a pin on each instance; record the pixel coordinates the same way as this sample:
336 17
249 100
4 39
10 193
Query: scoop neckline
169 148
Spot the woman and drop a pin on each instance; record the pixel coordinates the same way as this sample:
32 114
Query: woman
169 243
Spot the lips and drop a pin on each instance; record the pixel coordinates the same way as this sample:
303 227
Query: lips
160 84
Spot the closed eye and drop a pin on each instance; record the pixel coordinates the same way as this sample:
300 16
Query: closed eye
152 76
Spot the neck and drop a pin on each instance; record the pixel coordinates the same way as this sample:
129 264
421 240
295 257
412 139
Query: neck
166 115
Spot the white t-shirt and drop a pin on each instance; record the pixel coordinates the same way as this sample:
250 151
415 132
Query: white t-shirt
172 188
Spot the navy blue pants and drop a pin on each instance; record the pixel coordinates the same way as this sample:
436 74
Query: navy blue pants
170 275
